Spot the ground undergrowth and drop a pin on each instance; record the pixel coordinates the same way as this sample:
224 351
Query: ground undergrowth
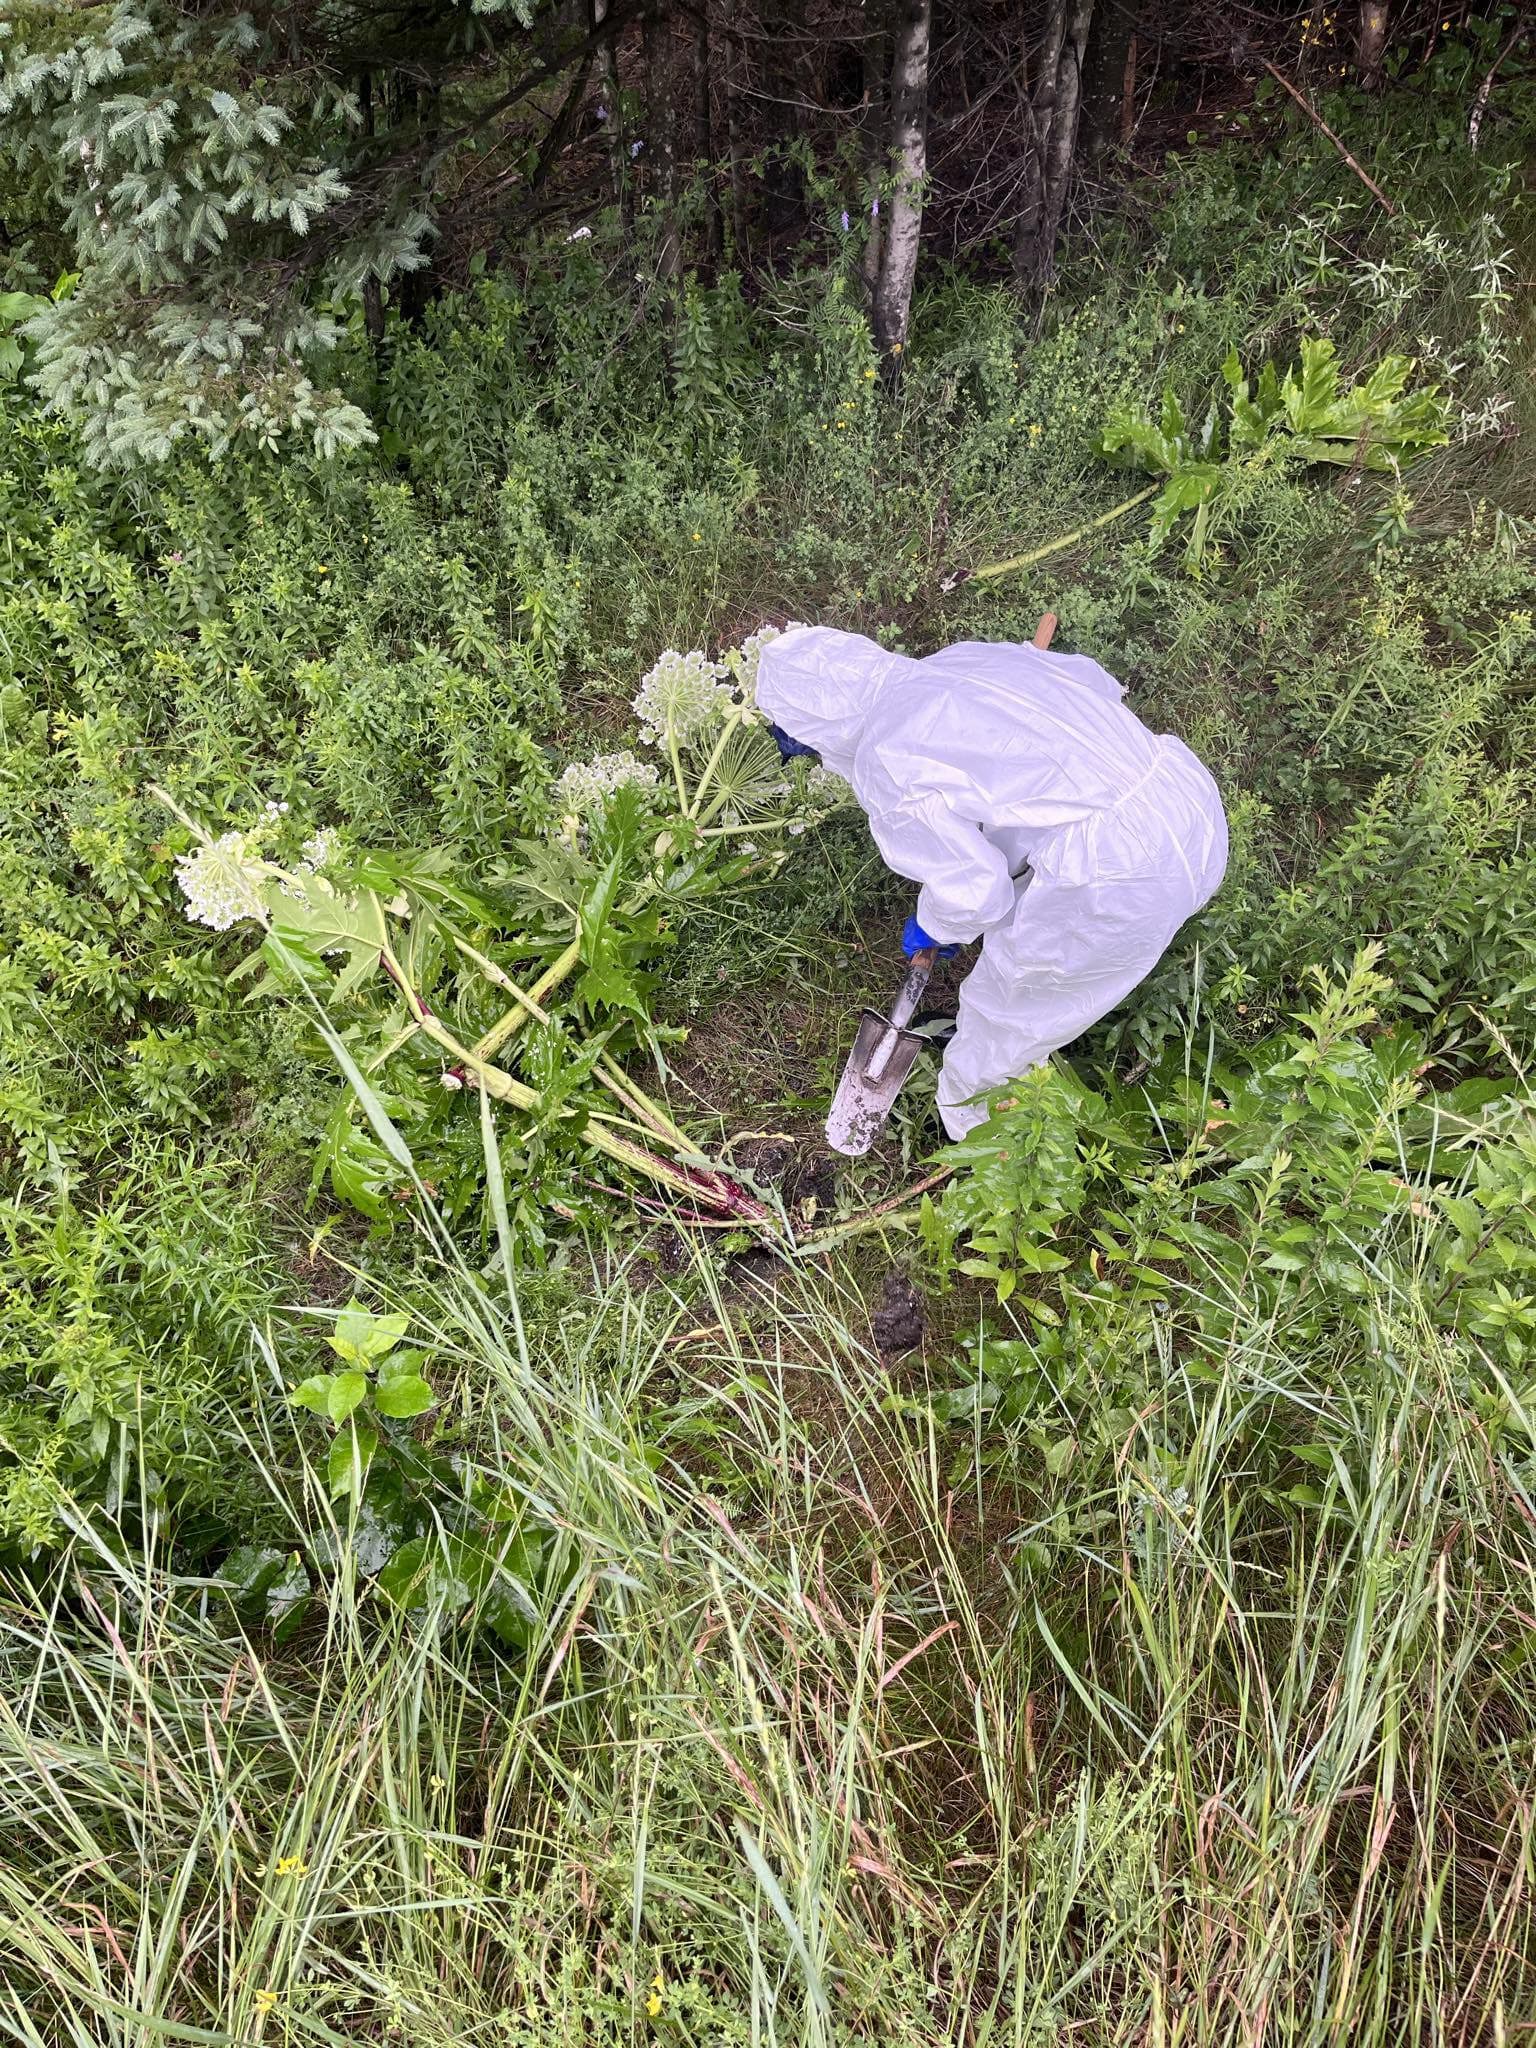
1114 1627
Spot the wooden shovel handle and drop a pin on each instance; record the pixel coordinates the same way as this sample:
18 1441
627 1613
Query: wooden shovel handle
1045 631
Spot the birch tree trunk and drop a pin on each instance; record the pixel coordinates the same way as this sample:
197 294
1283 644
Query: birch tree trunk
877 72
1051 109
903 211
1372 44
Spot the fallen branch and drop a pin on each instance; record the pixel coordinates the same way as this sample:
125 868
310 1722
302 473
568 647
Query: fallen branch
1485 90
1319 123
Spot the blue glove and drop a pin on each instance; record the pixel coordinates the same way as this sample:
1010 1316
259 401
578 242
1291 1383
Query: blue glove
915 940
788 748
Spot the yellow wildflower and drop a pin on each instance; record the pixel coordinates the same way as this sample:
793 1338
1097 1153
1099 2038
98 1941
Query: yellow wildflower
265 2000
653 2003
322 568
292 1866
1035 430
868 374
698 536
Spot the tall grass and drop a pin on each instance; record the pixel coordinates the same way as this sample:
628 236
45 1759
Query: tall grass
814 1754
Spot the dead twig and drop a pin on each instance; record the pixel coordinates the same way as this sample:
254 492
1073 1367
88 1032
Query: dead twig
1485 90
1319 123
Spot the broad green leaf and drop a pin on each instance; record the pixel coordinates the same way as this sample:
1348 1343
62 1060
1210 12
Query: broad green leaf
350 1456
249 1570
361 1171
407 1395
314 1393
1059 1455
404 1579
348 1389
364 1336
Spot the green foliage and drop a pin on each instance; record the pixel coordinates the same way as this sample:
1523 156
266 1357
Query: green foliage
1303 418
1318 1181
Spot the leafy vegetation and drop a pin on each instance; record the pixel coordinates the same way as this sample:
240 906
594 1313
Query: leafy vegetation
476 1563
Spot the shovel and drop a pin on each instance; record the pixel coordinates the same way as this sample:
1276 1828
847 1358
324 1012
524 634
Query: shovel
883 1055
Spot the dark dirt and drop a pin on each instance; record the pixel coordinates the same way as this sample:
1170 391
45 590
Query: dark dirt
804 1177
899 1322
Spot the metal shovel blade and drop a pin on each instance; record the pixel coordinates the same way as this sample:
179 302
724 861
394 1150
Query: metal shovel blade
863 1099
883 1055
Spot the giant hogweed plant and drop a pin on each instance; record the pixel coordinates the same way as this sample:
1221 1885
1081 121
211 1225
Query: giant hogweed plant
528 985
1201 466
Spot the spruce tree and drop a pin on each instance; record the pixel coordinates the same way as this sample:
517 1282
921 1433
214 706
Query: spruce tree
233 185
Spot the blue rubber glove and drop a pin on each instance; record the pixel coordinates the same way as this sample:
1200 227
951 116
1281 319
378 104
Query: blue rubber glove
788 748
915 940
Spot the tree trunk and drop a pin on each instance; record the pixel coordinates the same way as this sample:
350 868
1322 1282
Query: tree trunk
1051 111
1104 80
661 144
903 212
1372 45
783 177
704 136
735 144
877 71
611 112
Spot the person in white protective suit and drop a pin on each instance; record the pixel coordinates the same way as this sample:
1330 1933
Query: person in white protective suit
1035 811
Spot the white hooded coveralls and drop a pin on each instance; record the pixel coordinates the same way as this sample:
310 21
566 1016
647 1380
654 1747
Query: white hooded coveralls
1036 812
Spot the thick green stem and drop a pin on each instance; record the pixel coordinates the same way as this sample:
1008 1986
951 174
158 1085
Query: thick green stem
692 810
677 771
636 1099
1066 540
529 1004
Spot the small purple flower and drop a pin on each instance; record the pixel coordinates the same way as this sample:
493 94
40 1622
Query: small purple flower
874 209
845 223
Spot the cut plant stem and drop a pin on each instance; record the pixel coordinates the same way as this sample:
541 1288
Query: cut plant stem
1066 540
635 1098
529 1004
695 1182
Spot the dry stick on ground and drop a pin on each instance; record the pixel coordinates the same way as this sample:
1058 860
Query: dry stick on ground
1318 122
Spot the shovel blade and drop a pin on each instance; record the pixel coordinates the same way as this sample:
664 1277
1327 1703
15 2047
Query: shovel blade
862 1102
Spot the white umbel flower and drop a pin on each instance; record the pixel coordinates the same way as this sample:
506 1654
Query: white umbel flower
222 880
587 785
318 851
742 661
823 789
680 697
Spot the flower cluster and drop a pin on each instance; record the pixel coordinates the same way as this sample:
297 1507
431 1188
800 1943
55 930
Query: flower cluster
742 661
222 879
318 851
823 789
682 694
587 785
